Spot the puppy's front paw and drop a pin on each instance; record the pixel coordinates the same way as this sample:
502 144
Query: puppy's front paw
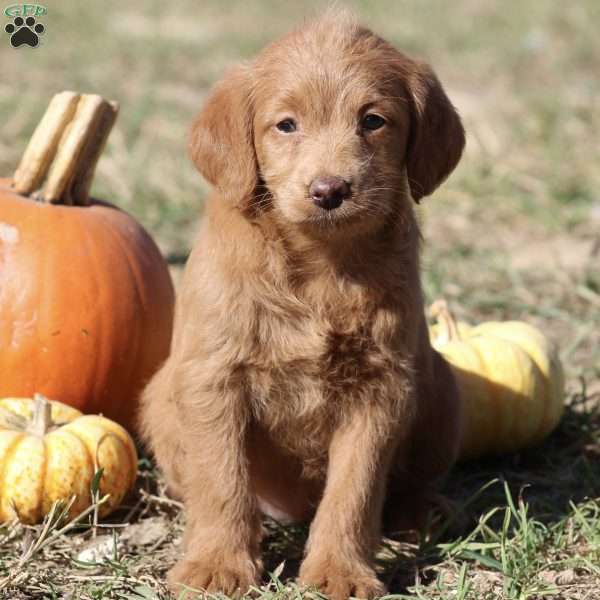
339 581
232 575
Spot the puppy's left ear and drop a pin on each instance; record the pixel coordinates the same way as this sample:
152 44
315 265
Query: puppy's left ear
437 137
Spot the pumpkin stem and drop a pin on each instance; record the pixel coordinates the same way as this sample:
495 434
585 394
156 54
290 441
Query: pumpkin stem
41 419
43 143
448 329
65 147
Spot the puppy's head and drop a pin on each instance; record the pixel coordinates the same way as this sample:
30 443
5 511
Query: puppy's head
328 127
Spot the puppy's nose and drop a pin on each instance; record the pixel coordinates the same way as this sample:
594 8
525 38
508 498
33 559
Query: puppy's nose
329 192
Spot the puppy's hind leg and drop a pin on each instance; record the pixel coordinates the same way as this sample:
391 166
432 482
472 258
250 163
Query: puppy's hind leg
433 449
160 427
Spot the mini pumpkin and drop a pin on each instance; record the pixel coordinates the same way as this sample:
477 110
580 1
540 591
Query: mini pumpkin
50 451
86 299
510 378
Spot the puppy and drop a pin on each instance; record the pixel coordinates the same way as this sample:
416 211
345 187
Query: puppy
301 381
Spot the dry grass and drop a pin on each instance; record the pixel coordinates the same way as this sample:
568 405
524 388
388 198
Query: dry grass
514 233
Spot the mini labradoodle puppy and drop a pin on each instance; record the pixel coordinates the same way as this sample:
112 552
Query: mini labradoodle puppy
301 382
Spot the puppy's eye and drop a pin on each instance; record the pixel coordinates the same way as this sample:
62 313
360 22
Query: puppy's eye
286 126
371 122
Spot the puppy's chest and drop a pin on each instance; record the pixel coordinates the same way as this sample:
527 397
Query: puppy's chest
307 368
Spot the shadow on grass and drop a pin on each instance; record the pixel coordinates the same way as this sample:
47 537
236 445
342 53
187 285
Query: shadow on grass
545 483
564 469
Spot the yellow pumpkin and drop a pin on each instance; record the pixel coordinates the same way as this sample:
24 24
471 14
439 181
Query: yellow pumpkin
50 451
510 378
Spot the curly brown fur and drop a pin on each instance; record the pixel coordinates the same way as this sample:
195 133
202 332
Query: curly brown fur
301 381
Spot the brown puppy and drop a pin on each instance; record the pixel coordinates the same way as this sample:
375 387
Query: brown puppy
301 381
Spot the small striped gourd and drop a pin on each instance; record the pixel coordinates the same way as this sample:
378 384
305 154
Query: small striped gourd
50 451
510 379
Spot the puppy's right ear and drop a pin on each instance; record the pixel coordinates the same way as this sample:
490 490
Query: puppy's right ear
221 143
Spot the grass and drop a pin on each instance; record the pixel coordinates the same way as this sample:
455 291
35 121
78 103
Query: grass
512 234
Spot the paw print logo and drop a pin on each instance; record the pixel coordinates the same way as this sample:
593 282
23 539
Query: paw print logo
24 31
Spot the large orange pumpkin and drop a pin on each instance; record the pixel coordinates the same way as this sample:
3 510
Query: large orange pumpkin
86 299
